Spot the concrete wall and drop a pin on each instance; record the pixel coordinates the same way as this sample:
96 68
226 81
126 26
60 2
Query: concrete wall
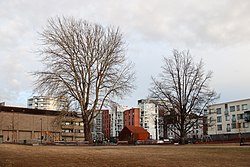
17 127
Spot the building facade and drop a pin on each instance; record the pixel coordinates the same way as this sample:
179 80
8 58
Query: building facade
72 127
117 120
132 117
106 124
149 117
22 125
226 121
46 103
101 126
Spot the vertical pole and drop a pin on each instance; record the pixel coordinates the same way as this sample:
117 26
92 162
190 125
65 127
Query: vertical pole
41 129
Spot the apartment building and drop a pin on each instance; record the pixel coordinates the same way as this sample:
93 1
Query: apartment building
226 121
117 120
46 103
149 117
22 125
106 124
72 127
132 117
101 126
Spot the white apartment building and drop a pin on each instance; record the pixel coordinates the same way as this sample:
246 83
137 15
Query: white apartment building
117 120
97 127
45 103
226 121
97 123
149 117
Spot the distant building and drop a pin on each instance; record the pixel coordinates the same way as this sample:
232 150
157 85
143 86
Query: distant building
46 103
149 117
117 120
101 125
72 127
132 117
21 125
229 120
106 124
196 132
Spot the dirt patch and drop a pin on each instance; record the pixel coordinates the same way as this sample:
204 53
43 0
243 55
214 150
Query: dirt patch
125 156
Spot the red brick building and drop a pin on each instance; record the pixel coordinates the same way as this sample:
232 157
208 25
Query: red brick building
132 117
106 124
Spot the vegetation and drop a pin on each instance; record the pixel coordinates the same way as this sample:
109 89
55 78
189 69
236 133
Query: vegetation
149 156
183 92
84 63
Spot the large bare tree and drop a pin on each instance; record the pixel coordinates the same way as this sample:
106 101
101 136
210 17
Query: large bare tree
184 91
85 63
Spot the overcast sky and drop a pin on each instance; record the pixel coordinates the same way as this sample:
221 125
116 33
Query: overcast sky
216 31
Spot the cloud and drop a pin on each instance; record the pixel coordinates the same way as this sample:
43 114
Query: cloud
217 31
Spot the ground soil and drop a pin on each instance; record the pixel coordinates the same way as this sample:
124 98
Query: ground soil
125 156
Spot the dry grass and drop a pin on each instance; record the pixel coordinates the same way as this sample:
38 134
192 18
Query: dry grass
131 156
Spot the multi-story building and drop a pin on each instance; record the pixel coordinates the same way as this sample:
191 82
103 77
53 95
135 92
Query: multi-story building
32 125
72 127
226 121
132 117
97 123
101 126
106 124
117 120
195 133
149 117
46 103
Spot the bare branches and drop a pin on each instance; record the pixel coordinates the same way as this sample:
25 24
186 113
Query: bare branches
85 62
184 85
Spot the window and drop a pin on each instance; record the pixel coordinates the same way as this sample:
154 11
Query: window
232 108
245 125
238 107
238 125
219 127
244 107
228 128
233 125
219 119
233 118
226 111
239 116
227 118
218 110
205 112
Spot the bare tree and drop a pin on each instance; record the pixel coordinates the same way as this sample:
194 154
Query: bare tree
85 63
183 87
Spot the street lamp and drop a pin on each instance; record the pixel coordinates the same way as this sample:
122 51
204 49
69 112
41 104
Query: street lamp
41 129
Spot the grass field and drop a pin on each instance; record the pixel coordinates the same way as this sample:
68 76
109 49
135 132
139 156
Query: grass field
130 156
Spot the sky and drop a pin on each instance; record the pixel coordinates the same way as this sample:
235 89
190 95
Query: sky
215 31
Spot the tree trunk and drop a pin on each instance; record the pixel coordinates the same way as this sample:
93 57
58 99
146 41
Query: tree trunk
87 130
182 140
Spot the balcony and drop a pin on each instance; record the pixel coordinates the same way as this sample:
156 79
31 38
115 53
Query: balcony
71 134
79 134
67 134
228 129
72 127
